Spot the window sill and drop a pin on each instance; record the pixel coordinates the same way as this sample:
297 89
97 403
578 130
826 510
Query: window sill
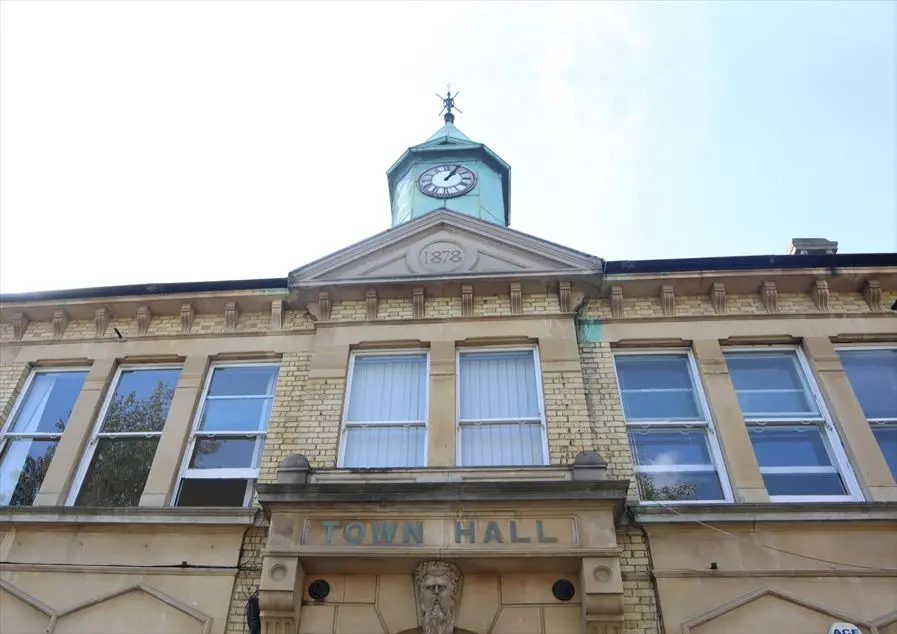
443 474
206 516
764 512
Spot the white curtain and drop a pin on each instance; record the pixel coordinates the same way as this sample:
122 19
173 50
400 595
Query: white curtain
500 421
26 422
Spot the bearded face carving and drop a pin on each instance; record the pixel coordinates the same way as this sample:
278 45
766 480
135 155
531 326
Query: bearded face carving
438 585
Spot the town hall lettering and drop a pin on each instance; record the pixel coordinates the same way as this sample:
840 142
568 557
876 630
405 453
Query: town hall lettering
411 532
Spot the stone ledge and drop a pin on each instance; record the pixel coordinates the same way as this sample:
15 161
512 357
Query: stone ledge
440 474
765 512
177 516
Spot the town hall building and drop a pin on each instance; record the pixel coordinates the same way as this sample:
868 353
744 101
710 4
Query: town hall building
453 427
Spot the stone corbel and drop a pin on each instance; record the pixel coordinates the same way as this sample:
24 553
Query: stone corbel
872 294
718 298
616 302
516 298
19 325
324 305
417 302
231 315
60 321
668 300
280 594
144 317
277 314
820 295
370 304
602 595
467 300
187 317
101 321
564 297
769 295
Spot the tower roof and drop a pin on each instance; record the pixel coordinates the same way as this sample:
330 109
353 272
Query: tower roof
447 134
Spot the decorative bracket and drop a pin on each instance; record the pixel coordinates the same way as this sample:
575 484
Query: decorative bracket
668 300
19 326
564 297
144 317
602 601
770 297
872 294
280 594
417 302
516 298
324 305
616 302
101 321
231 315
370 304
187 317
467 300
718 298
277 314
60 321
820 295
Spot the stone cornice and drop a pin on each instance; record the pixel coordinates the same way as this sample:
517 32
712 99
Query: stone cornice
178 517
766 512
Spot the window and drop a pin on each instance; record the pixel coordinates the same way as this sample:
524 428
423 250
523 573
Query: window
873 376
121 451
500 411
674 449
797 448
222 460
35 426
385 419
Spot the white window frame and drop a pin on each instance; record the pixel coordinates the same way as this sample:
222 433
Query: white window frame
874 423
89 451
250 474
830 437
345 424
540 395
6 433
718 464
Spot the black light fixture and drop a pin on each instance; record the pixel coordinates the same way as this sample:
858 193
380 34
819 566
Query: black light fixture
253 615
563 590
318 589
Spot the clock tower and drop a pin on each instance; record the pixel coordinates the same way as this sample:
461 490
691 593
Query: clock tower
449 171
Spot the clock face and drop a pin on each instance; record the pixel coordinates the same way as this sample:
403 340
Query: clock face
446 181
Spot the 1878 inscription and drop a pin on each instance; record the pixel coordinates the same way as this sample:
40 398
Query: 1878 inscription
441 256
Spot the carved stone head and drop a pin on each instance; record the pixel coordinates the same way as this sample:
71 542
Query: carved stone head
438 587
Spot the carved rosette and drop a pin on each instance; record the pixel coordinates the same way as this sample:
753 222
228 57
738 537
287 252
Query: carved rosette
564 297
668 300
144 316
769 295
437 588
616 302
324 305
231 315
820 295
60 321
277 314
516 298
19 325
718 298
186 317
872 294
417 302
101 321
467 300
370 304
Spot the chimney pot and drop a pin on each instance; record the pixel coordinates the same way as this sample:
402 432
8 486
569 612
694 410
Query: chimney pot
812 246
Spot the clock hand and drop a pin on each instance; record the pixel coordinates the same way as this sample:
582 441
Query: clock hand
452 173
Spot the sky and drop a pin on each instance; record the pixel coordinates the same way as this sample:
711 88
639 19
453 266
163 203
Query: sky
152 142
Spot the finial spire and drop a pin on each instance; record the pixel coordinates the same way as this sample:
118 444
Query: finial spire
448 104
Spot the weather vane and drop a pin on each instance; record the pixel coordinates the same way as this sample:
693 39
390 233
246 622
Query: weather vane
448 104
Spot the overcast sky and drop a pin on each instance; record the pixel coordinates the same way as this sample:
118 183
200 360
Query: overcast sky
187 141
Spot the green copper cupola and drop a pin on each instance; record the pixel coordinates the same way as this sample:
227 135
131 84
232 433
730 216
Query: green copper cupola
449 171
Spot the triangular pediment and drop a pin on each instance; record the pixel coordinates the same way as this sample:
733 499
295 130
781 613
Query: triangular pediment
445 245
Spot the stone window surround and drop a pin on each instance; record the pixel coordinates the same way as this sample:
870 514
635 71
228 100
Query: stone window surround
713 441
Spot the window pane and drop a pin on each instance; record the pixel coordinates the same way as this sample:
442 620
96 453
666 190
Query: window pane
886 435
22 469
873 376
212 492
789 446
117 472
243 381
223 453
498 385
670 447
49 402
660 406
388 388
384 446
680 485
501 445
141 401
249 414
770 384
653 372
804 484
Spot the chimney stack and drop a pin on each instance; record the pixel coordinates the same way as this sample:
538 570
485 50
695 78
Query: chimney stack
812 246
